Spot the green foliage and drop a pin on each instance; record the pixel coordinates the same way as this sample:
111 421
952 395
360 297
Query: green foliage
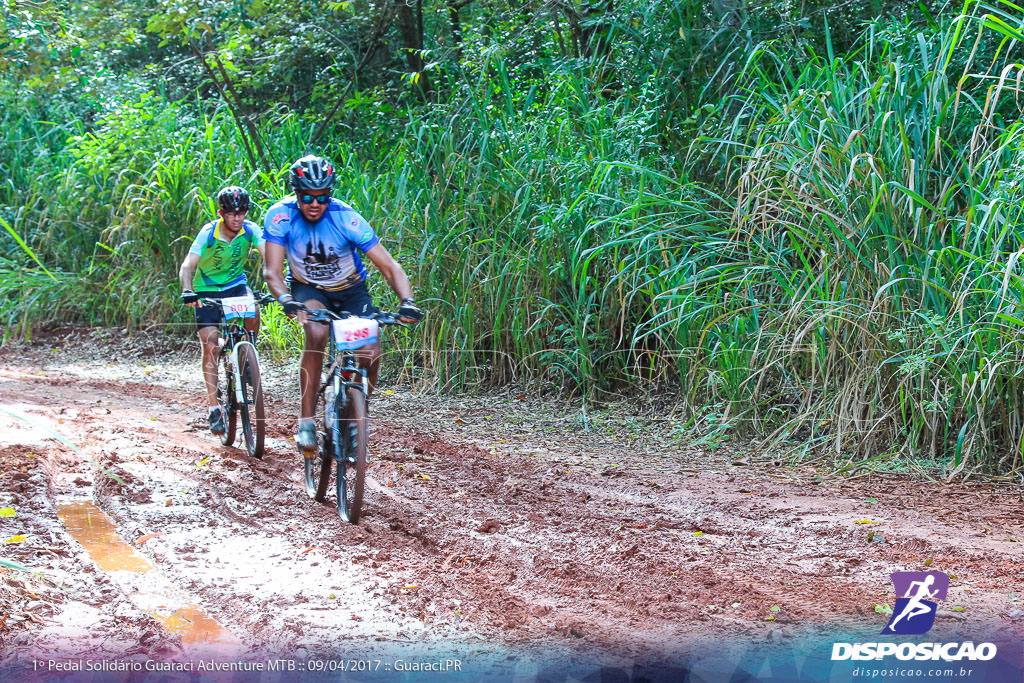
279 335
872 279
34 40
802 217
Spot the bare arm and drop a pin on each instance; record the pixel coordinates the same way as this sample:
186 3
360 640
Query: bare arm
263 252
186 272
273 274
391 270
273 269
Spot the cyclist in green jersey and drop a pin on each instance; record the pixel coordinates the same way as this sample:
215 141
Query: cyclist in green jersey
214 269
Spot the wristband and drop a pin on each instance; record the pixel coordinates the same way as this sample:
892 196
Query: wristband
281 299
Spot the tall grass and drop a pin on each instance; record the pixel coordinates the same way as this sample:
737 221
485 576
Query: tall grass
866 295
854 290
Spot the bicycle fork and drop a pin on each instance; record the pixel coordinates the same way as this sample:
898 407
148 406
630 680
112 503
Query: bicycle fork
345 431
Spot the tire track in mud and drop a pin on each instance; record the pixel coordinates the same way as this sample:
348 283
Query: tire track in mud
685 551
458 541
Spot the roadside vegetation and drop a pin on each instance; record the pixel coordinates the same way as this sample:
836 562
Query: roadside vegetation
802 222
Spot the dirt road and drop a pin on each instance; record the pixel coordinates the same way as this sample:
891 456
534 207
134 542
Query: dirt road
495 530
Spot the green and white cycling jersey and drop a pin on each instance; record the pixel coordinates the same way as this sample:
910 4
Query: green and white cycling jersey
222 265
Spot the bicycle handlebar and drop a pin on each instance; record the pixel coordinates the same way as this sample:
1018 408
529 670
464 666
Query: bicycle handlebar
382 317
262 298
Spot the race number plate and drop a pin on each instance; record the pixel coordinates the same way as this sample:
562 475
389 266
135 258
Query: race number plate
353 333
239 307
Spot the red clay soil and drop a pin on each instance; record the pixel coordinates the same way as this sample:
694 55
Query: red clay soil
477 528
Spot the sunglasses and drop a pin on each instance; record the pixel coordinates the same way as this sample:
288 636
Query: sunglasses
319 198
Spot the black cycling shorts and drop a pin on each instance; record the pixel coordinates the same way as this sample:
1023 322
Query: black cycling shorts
207 316
355 299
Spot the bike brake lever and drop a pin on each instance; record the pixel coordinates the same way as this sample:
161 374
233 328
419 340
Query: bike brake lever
318 315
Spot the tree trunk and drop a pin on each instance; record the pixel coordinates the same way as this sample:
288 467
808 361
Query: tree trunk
453 19
232 106
411 29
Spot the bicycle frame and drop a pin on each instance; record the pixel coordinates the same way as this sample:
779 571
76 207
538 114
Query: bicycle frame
232 336
236 336
343 371
344 439
340 371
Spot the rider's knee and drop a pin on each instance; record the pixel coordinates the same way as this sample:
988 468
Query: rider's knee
373 353
208 338
316 336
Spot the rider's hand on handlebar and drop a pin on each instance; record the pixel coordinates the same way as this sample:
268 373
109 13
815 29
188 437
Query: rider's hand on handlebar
190 298
294 308
409 313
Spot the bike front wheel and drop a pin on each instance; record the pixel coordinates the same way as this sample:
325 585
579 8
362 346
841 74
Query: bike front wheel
317 466
251 408
226 394
352 432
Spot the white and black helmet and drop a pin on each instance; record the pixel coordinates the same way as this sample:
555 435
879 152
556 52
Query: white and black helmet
312 173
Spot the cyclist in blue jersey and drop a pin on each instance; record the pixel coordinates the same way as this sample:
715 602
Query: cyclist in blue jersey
214 269
322 237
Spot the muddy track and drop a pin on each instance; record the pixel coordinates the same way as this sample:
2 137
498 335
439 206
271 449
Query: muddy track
554 542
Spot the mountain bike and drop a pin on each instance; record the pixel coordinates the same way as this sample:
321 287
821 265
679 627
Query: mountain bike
240 386
343 432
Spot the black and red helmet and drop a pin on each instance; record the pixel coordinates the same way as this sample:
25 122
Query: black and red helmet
312 173
233 198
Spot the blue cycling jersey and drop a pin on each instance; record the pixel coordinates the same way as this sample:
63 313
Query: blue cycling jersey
322 254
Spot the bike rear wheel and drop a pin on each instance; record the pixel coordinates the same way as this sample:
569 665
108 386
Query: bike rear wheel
226 395
253 422
317 466
351 432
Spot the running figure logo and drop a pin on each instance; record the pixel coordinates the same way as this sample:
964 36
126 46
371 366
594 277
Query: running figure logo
915 613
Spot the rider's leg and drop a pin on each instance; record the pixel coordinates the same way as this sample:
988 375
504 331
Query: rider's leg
910 610
369 358
312 363
208 337
253 324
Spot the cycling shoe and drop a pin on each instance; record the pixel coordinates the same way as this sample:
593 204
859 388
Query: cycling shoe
217 421
305 438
